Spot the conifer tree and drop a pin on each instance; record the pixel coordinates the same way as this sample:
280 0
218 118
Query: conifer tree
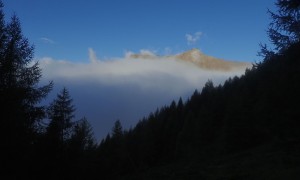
284 29
20 95
82 137
117 130
61 113
19 90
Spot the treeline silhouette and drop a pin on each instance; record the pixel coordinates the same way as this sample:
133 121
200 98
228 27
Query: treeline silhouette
37 142
247 128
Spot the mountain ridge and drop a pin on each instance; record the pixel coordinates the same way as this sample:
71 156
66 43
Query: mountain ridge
197 58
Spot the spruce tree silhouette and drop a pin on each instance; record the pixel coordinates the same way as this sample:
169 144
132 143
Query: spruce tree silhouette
61 113
20 95
284 29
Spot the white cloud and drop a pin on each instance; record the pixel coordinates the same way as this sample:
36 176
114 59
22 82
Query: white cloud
144 53
47 40
147 52
92 56
126 88
159 74
167 51
193 38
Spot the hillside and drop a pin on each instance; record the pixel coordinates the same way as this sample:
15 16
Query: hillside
203 61
197 58
245 129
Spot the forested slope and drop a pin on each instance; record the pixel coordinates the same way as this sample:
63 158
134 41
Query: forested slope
248 127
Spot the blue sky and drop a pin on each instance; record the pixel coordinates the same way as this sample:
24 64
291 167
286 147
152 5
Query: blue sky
230 29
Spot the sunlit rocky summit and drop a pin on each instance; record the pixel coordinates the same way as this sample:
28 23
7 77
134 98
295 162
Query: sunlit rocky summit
197 58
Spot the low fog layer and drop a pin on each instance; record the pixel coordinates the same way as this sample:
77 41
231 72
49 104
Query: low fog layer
130 88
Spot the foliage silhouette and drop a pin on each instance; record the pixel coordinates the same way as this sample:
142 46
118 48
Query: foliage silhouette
20 96
284 29
61 112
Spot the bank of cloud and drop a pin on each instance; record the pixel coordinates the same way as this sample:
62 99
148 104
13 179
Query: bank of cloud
131 86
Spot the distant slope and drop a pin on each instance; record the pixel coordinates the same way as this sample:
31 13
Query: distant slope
196 57
208 62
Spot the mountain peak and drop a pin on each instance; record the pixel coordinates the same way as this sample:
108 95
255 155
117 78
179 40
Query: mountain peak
193 55
197 58
194 50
